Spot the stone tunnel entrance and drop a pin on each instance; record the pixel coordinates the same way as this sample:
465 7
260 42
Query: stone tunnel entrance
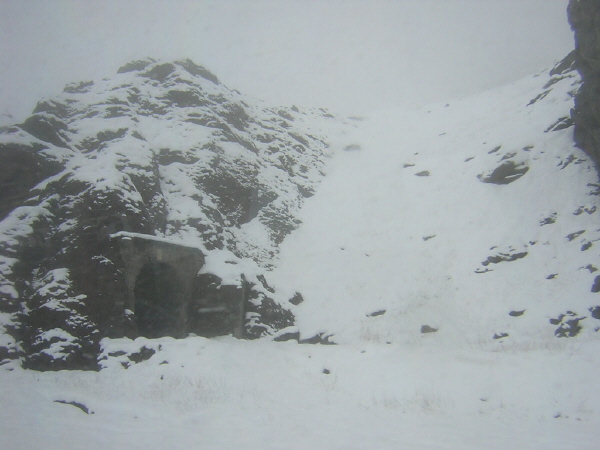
159 304
169 298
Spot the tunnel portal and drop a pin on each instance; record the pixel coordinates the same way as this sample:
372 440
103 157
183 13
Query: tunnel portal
168 296
159 303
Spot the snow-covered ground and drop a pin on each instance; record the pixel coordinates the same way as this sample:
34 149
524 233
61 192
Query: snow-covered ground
400 227
226 394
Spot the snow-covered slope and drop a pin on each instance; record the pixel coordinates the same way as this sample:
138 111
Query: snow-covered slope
476 219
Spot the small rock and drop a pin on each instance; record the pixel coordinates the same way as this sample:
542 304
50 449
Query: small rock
81 406
596 285
504 257
572 236
428 329
296 299
144 354
508 155
291 336
569 329
548 220
505 173
584 209
320 338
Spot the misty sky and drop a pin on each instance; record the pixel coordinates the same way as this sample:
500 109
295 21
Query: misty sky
351 56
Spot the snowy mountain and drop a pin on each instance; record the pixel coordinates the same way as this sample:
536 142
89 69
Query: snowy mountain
450 253
470 222
161 150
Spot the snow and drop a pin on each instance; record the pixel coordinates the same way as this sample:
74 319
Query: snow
55 282
377 238
129 235
229 267
223 393
62 343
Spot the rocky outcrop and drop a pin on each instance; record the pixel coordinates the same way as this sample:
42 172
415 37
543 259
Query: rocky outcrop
584 17
161 149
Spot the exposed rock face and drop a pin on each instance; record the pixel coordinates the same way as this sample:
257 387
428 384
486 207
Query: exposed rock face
161 149
584 17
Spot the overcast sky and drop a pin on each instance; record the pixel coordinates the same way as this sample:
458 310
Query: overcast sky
351 56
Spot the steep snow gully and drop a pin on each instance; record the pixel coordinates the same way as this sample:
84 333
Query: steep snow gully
449 255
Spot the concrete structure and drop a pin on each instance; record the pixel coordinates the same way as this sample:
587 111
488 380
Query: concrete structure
168 296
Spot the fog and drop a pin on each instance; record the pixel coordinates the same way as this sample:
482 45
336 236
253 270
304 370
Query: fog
350 56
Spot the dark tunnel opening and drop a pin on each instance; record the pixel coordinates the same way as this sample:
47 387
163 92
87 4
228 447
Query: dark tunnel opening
159 301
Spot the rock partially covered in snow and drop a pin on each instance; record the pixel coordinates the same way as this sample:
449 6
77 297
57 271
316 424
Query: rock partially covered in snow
584 17
161 149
